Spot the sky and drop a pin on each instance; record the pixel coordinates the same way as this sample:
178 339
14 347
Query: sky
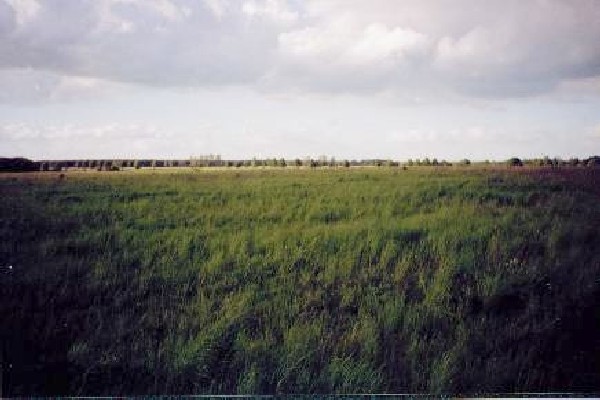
352 79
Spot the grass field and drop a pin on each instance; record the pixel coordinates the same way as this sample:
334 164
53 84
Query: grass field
301 281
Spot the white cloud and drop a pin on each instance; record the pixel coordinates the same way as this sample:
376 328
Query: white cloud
593 132
379 43
25 10
29 86
276 10
218 7
474 133
344 44
110 131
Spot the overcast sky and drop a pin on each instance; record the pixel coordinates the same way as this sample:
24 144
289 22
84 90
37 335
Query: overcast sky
346 78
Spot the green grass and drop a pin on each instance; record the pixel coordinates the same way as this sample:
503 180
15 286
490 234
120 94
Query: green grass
297 281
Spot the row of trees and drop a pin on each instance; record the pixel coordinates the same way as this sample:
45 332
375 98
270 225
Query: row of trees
17 164
23 164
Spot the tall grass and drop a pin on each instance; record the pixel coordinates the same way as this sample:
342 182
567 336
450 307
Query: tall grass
343 281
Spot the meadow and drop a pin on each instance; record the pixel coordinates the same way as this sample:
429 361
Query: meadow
335 280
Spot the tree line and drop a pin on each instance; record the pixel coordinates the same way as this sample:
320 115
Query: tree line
18 164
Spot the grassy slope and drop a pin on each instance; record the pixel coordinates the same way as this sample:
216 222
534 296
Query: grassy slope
371 280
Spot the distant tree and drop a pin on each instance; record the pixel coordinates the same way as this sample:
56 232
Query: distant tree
465 161
346 163
435 162
282 162
515 162
427 161
410 162
547 161
593 161
556 162
17 164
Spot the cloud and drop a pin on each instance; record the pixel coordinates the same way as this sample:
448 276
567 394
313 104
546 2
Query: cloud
593 132
474 49
108 140
347 57
29 86
111 131
275 10
474 133
374 44
154 42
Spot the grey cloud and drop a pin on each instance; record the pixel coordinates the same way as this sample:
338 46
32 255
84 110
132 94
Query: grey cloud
148 42
480 49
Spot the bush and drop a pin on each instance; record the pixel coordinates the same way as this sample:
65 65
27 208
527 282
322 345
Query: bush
593 161
18 164
515 162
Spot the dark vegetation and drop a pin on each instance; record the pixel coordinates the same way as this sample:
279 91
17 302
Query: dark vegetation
300 281
22 164
17 164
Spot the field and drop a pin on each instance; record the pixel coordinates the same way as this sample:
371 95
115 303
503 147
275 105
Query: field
434 280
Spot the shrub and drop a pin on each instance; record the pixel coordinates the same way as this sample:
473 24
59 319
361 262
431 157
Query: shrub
593 161
515 162
17 164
